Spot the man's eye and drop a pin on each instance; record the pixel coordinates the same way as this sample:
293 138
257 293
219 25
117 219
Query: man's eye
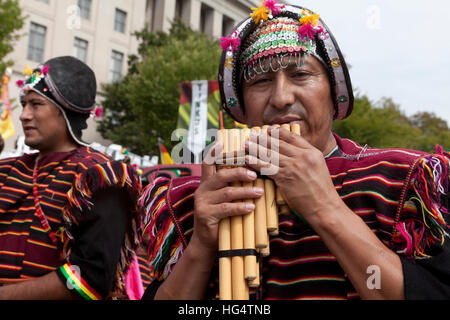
261 80
301 74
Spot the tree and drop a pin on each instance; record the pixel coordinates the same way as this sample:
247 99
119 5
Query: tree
384 125
143 106
434 130
11 20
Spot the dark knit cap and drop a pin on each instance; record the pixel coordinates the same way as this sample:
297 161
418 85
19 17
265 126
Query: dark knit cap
71 85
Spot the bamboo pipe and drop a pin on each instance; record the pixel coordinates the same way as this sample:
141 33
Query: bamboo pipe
225 291
239 286
255 282
271 205
261 237
279 197
294 128
250 263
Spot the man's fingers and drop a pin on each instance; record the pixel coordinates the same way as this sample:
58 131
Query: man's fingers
289 137
270 143
223 177
227 209
266 168
230 194
208 164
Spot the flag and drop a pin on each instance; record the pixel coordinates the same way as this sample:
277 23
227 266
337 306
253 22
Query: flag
6 124
165 156
198 111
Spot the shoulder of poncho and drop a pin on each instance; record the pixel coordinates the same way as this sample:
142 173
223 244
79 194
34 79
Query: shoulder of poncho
167 206
7 163
429 190
100 176
352 150
97 177
86 157
154 195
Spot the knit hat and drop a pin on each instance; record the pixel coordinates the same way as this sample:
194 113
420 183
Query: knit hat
272 32
68 83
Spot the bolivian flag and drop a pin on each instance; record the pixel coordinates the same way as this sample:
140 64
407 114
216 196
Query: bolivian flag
165 156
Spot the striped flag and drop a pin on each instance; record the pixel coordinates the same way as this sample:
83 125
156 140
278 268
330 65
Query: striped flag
6 124
165 156
198 112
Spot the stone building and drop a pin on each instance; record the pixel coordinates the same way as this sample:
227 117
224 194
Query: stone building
99 32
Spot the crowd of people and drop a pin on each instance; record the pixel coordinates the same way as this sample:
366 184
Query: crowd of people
75 223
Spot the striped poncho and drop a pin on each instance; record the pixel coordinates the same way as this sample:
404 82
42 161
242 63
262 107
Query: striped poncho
402 195
42 201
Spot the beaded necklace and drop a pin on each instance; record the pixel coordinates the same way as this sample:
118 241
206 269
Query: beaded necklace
39 213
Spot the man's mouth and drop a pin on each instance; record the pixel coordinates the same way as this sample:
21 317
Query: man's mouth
289 119
28 129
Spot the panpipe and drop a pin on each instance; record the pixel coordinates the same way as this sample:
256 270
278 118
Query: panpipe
242 239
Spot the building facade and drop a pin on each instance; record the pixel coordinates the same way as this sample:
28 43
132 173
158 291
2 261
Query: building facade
100 32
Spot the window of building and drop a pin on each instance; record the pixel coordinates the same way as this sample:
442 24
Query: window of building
154 14
120 21
115 72
227 26
85 8
36 42
80 49
44 1
206 19
179 8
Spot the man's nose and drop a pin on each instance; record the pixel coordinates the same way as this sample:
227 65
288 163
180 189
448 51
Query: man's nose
282 92
26 113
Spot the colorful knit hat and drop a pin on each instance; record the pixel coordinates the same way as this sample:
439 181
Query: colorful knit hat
273 31
68 83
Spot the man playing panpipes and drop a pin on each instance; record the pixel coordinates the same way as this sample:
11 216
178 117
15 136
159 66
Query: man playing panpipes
364 223
67 211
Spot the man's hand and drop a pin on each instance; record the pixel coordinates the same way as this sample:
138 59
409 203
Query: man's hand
215 199
300 170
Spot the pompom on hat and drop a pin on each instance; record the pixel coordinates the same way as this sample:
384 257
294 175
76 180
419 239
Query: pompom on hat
68 83
272 31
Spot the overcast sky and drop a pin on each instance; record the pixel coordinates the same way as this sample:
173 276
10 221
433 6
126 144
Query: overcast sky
397 48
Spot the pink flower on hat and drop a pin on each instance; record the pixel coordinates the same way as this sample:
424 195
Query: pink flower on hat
99 112
309 31
20 83
273 6
45 70
228 43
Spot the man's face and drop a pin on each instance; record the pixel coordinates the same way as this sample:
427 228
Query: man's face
43 124
292 95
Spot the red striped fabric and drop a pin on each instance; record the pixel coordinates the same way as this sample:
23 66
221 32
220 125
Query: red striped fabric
300 266
26 250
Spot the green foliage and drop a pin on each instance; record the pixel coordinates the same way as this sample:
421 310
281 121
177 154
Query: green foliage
143 106
383 125
11 20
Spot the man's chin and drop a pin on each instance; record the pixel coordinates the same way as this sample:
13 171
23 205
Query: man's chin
31 143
